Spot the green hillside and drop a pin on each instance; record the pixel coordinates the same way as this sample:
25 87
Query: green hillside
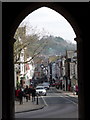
57 46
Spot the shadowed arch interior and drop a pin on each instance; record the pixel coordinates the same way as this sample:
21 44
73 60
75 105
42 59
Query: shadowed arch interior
13 14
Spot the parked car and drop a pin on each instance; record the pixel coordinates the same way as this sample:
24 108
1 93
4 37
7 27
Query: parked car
40 90
46 85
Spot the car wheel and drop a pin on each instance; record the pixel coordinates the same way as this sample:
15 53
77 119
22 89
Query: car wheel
45 95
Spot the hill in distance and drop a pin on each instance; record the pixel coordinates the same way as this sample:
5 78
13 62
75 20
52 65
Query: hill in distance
57 46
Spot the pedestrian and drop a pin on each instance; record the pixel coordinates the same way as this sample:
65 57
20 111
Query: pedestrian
63 87
20 93
30 91
76 89
33 94
26 91
17 94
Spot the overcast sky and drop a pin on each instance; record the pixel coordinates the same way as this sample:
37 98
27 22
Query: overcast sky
52 23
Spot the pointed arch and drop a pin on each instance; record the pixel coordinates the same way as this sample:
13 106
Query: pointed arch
60 9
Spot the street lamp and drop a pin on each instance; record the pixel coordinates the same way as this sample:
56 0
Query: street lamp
42 74
42 66
50 65
44 71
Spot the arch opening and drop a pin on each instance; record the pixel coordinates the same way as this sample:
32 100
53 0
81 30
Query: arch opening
79 21
53 59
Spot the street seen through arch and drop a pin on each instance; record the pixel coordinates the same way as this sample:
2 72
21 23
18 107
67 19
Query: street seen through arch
45 71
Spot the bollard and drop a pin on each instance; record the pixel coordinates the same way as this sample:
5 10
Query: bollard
37 99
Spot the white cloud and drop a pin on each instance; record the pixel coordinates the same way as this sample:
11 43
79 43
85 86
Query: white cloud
52 22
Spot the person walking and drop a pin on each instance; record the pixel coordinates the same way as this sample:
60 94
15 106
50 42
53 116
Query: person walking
16 94
63 87
26 91
33 94
30 91
76 89
20 94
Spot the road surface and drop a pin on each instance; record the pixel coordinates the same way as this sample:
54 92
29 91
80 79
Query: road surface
57 105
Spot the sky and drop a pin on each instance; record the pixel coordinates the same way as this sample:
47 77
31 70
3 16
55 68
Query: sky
48 22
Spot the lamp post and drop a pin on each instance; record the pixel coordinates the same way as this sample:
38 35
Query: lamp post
50 65
42 66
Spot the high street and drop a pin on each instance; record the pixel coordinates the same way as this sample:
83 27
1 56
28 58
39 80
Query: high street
57 105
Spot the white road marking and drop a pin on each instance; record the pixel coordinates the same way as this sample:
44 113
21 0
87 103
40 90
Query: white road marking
52 96
44 101
70 100
64 96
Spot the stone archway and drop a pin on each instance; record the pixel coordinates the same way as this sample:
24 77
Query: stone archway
20 11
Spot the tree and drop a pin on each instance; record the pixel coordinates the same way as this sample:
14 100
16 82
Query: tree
31 44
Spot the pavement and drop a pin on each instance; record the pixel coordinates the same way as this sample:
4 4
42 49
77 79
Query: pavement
28 106
68 93
31 106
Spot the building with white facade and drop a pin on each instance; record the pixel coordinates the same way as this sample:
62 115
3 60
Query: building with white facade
29 71
19 69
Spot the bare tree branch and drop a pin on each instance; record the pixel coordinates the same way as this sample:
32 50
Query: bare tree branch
32 42
30 58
